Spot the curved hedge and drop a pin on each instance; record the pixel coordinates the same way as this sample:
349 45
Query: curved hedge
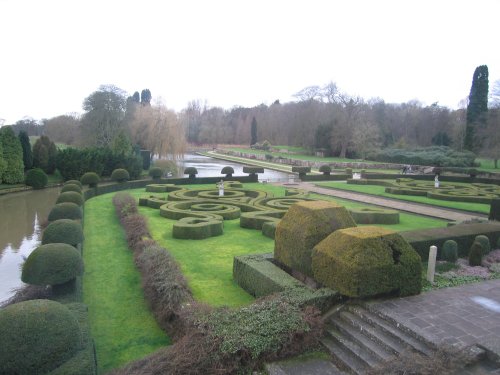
71 187
36 337
36 178
155 172
197 228
374 216
66 210
52 264
71 196
75 182
90 178
63 231
120 175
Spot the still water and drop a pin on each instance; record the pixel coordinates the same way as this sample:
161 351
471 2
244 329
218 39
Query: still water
20 217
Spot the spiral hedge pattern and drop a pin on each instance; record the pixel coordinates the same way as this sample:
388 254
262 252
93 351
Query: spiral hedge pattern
200 213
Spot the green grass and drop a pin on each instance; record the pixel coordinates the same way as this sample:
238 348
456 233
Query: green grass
122 325
380 191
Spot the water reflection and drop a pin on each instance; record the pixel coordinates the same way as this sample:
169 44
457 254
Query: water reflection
20 215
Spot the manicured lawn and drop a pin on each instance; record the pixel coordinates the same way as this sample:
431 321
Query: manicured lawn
380 191
122 325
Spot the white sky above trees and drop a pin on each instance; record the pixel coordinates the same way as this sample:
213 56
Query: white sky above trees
54 53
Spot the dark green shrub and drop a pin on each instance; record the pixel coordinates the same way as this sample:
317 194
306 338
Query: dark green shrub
52 264
90 178
191 171
476 254
439 156
325 169
70 196
348 171
74 182
301 170
374 216
71 187
269 157
450 251
36 178
228 171
63 231
495 209
66 210
195 228
252 170
367 261
36 337
155 172
485 243
146 159
120 175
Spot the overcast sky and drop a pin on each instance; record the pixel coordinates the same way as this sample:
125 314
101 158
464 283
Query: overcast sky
240 52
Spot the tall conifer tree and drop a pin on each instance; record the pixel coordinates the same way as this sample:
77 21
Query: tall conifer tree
477 109
27 153
253 132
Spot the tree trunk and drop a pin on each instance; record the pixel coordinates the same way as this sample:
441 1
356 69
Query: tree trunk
496 163
343 149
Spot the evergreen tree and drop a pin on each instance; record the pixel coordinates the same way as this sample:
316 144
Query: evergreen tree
44 154
477 109
27 153
136 98
2 162
253 132
12 156
146 97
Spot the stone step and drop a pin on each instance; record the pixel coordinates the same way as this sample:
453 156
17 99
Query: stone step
309 367
360 338
343 358
407 339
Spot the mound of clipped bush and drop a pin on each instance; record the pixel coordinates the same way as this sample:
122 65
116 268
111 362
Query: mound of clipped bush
70 196
367 261
120 175
36 178
303 226
191 171
302 171
155 172
36 337
325 169
90 178
71 187
66 210
52 264
63 231
228 171
75 182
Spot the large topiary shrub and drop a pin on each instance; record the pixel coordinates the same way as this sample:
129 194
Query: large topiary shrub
325 169
228 171
71 187
476 254
36 178
63 231
52 264
120 175
66 210
90 178
36 337
303 226
191 171
367 261
450 251
485 243
74 182
70 196
155 172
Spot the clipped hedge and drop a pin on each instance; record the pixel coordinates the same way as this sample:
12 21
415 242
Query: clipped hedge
70 196
71 187
75 182
228 171
257 219
463 234
63 231
374 216
66 210
252 170
302 227
120 175
36 178
325 169
495 209
191 171
155 172
301 170
197 228
367 261
52 264
36 337
269 229
90 178
259 276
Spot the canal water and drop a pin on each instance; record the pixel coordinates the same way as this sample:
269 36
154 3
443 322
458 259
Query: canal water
21 214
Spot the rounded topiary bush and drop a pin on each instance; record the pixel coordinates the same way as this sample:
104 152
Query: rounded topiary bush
228 171
66 210
450 251
191 171
71 187
70 196
52 264
37 336
90 178
325 169
63 231
120 175
155 172
476 254
75 182
485 243
36 178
